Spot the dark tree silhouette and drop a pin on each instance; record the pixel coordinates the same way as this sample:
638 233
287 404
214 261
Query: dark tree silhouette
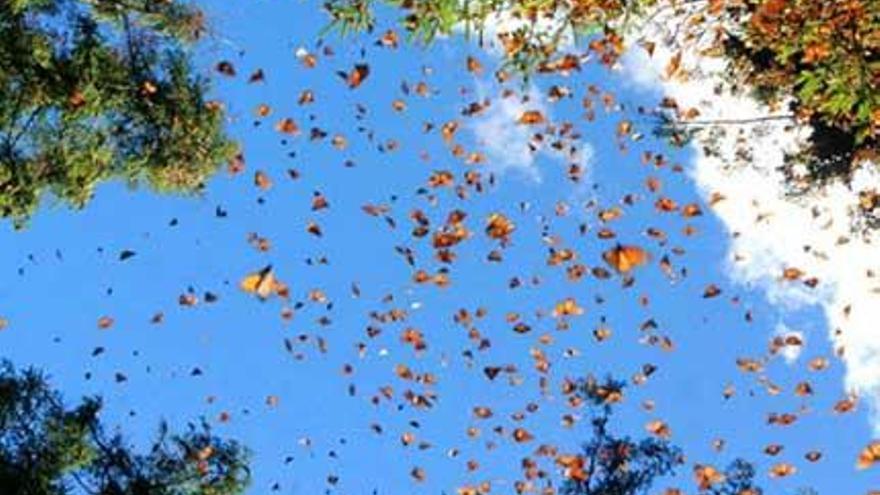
614 465
618 465
47 448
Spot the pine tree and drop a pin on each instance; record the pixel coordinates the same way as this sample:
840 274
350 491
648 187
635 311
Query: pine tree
611 464
92 90
47 448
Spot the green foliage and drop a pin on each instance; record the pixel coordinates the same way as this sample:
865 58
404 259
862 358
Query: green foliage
825 58
92 90
822 56
49 449
617 465
537 27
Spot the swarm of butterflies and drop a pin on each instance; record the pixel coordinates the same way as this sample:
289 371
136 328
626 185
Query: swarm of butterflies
622 259
439 236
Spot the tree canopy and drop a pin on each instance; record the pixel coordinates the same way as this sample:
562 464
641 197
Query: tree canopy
619 465
820 58
48 448
92 90
823 59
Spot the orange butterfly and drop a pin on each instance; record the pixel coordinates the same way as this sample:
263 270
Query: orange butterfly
658 428
782 470
287 126
389 39
567 307
356 76
262 180
574 467
625 258
869 456
474 66
262 283
532 117
521 435
499 227
707 476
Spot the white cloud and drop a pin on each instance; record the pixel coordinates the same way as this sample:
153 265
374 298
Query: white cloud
502 22
770 231
506 142
789 352
510 146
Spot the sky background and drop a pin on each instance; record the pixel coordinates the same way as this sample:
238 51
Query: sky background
63 272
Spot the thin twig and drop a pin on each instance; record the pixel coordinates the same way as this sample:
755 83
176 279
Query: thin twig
747 121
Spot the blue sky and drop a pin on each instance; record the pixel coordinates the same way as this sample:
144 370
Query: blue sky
63 273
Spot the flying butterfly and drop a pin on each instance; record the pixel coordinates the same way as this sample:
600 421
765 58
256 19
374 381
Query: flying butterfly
781 470
625 258
707 476
532 117
869 456
356 76
262 283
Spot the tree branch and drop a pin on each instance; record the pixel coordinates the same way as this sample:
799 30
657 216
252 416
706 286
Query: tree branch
745 121
13 141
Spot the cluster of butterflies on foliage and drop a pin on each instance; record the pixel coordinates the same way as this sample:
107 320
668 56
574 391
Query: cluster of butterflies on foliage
619 259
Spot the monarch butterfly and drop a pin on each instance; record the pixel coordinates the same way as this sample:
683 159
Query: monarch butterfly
499 227
418 474
532 117
482 412
691 210
262 180
263 110
869 456
467 490
707 476
610 214
389 39
567 307
261 283
287 126
782 470
574 467
602 333
659 429
356 76
441 178
226 68
625 258
773 449
711 291
474 66
448 130
521 435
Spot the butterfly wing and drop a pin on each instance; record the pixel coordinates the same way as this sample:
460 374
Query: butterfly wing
612 257
634 256
358 75
625 258
259 283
